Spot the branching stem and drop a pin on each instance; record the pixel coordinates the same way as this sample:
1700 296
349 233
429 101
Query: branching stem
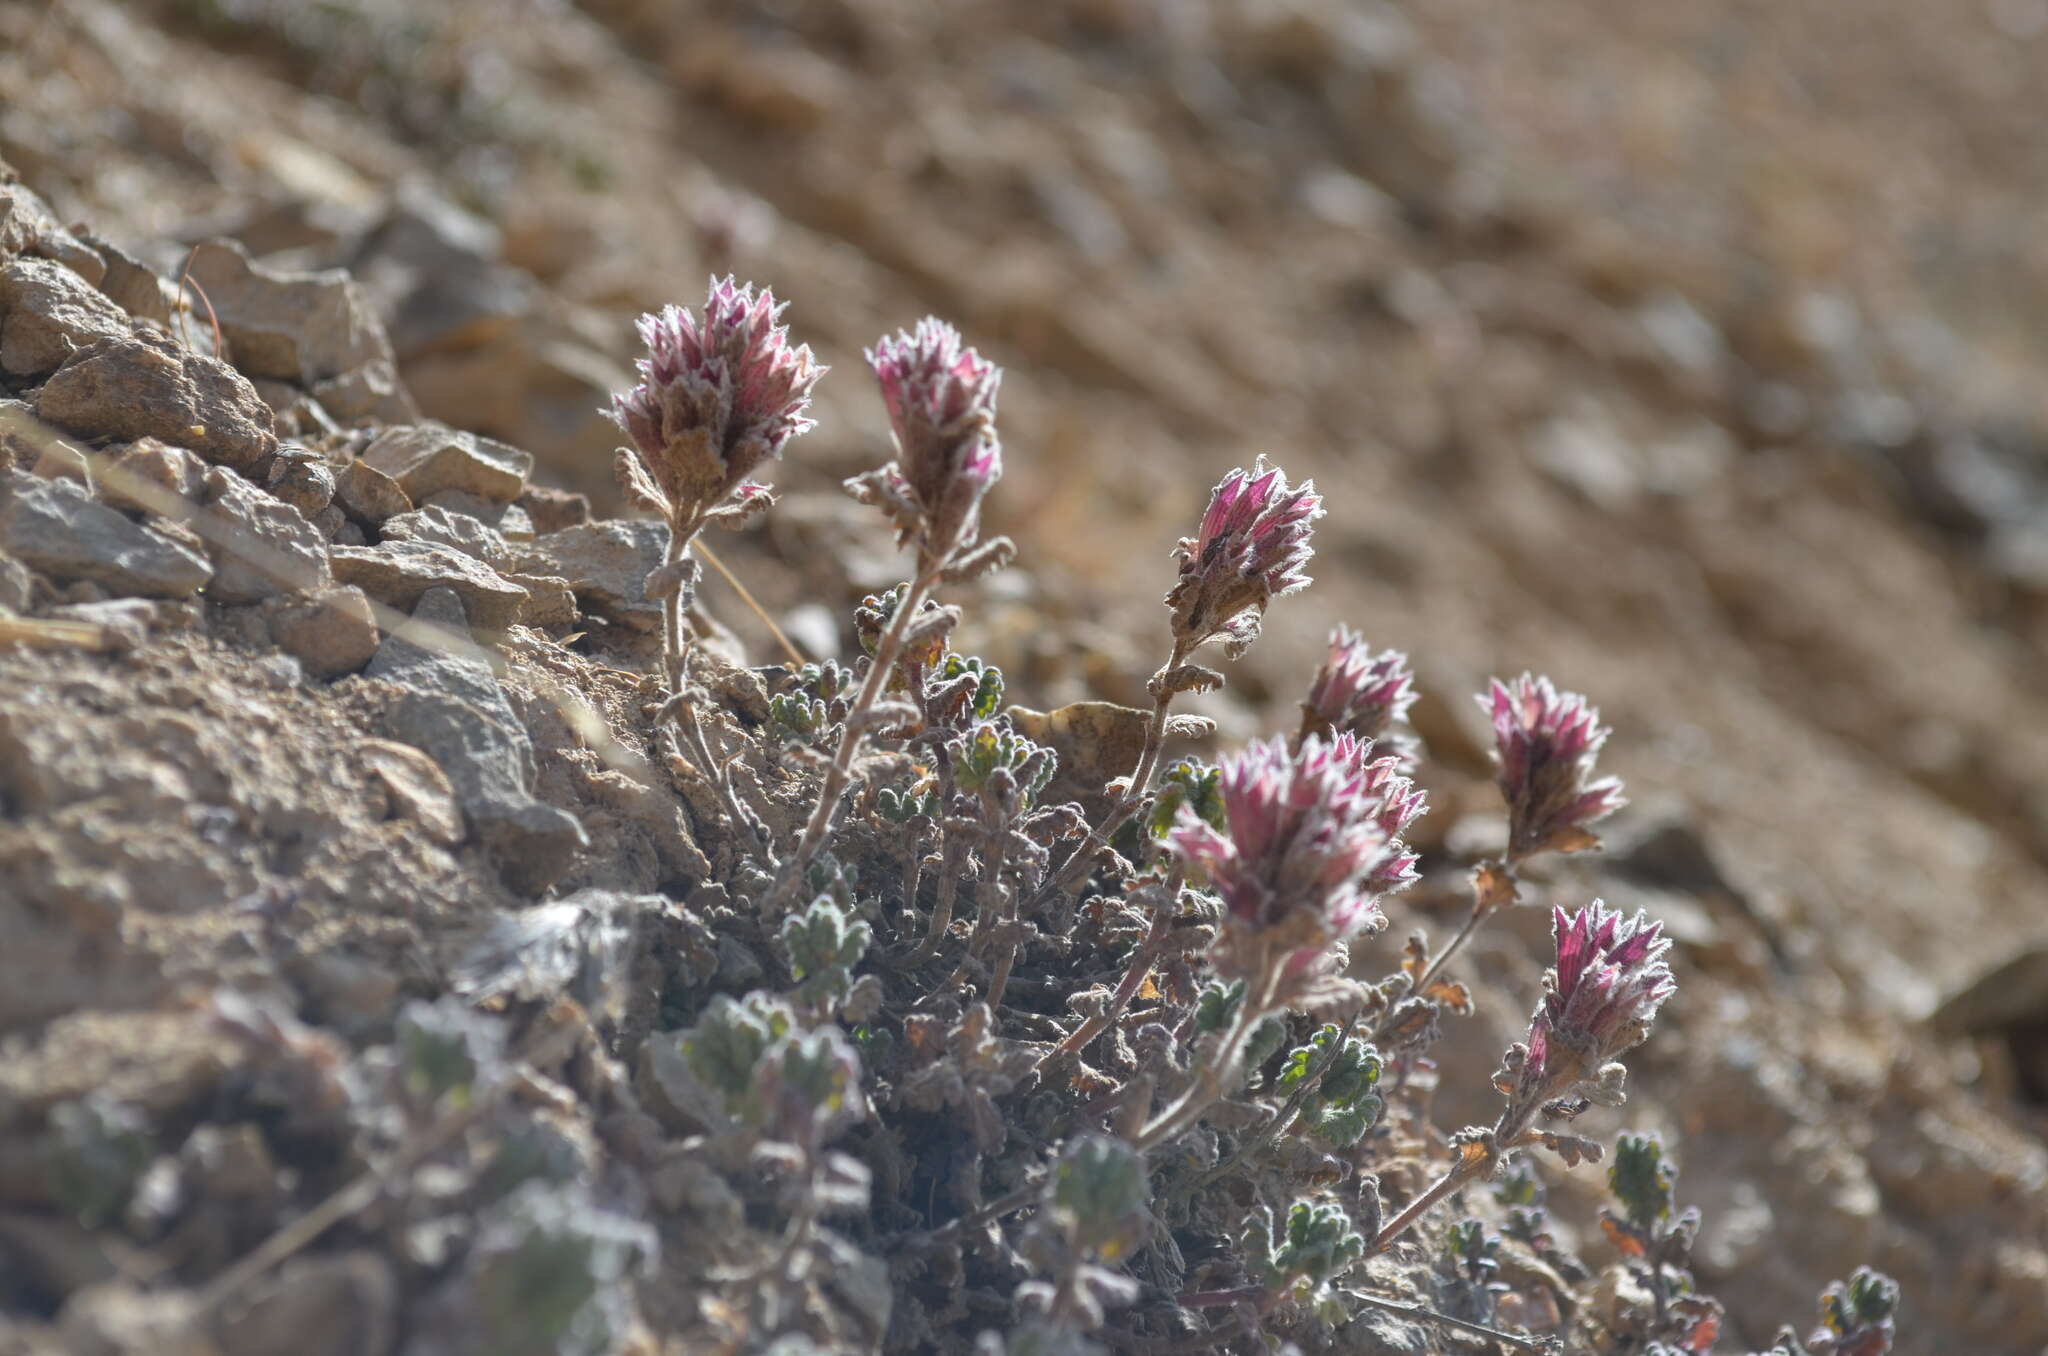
1075 869
840 772
1134 975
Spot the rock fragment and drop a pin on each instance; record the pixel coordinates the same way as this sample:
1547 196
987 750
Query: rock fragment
260 546
458 530
128 473
435 267
451 708
131 284
331 632
399 573
551 509
428 458
17 584
607 564
46 312
146 386
28 226
367 495
314 330
417 788
56 527
302 479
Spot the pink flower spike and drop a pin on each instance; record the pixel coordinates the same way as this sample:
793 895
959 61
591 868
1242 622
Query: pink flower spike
715 400
1250 549
1546 742
1600 1000
1311 845
1359 691
941 400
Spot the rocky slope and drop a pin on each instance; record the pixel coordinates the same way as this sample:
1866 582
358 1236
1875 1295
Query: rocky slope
1687 360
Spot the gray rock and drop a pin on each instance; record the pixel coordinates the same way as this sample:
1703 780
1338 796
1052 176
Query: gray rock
475 506
607 564
118 1318
28 226
47 311
17 584
260 546
436 269
451 709
515 525
370 395
417 789
299 415
56 527
367 495
399 573
549 600
551 509
428 458
541 387
123 622
131 284
332 632
303 328
128 475
146 386
458 530
301 478
17 447
317 331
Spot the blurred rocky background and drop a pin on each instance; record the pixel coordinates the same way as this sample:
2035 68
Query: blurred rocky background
1689 354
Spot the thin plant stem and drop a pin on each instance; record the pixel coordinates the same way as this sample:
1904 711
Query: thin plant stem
1481 911
1075 868
841 769
942 908
1507 1132
1461 1174
1003 906
300 1233
675 644
1428 1315
1140 966
1215 1078
1232 1327
789 649
913 879
1285 1115
1253 1294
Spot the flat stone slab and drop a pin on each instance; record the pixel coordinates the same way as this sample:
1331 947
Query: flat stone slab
57 527
428 458
399 573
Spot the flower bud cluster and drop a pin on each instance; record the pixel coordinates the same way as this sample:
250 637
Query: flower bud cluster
718 396
1249 550
1313 842
1546 742
941 400
1357 691
1600 999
